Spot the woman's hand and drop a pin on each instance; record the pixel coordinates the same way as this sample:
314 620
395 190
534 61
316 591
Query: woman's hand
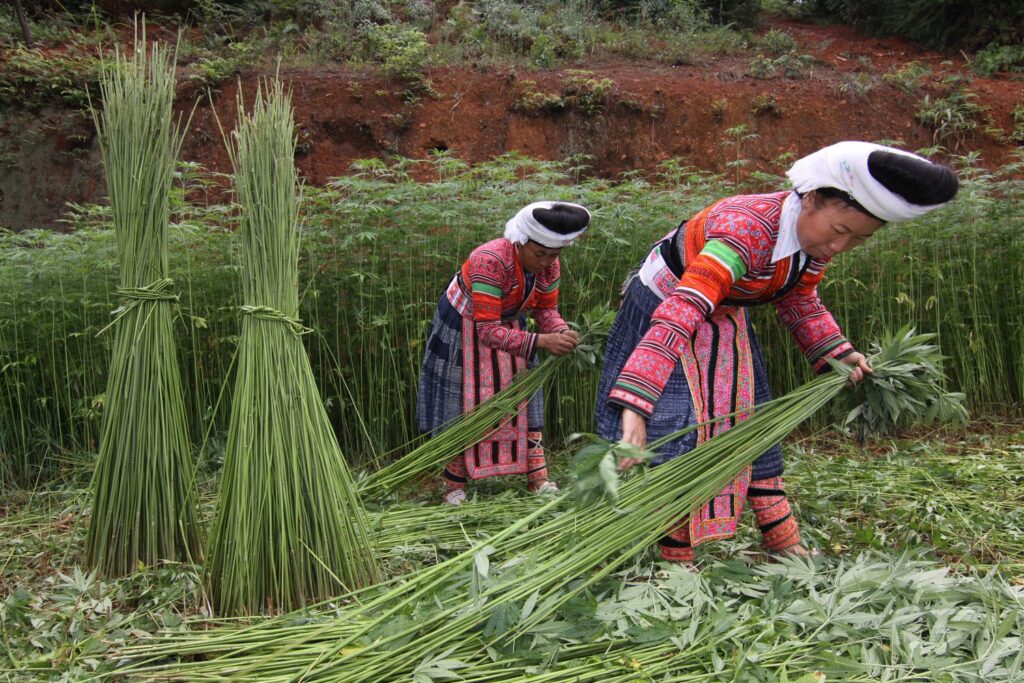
859 364
558 343
573 335
634 432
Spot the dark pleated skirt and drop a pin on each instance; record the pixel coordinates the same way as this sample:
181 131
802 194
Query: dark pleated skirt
674 411
439 396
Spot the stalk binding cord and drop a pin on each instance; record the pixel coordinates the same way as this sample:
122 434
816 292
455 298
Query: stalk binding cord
268 313
158 290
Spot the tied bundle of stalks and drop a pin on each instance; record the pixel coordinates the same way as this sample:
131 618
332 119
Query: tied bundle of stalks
143 500
289 526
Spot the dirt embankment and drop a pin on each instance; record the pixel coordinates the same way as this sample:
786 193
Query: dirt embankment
620 116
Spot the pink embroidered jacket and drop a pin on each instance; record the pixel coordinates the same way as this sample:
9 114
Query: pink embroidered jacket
728 250
492 288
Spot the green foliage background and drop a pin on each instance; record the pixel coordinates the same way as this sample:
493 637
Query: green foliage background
937 23
378 250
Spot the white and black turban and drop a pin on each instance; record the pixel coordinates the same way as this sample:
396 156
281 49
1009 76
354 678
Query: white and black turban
890 184
551 224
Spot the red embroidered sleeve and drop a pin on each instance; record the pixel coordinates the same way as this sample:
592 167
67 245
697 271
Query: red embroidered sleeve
812 326
545 308
489 280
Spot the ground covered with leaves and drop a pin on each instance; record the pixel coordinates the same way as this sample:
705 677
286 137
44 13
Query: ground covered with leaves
920 576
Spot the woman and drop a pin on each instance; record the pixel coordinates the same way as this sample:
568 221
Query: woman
478 341
682 351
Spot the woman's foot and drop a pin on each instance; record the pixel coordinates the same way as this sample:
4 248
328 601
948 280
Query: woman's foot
688 565
544 488
455 496
795 550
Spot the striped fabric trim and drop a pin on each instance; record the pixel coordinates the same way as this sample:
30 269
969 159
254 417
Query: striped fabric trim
675 545
698 297
718 250
455 473
489 290
632 388
773 514
632 400
549 287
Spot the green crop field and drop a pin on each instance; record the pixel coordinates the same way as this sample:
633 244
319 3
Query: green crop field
210 467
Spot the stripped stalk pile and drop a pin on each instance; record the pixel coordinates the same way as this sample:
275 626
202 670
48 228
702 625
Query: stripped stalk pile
463 432
473 427
143 500
289 526
525 569
519 578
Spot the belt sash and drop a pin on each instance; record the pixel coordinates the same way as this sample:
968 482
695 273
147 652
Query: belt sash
485 372
720 374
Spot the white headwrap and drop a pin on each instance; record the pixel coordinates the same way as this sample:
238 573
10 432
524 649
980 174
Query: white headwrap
524 227
844 166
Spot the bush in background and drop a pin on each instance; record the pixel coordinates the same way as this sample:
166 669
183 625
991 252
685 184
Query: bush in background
942 24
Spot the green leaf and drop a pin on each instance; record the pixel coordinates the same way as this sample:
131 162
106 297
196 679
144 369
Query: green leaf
527 610
482 562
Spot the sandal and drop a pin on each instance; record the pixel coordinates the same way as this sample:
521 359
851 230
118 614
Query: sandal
546 488
455 497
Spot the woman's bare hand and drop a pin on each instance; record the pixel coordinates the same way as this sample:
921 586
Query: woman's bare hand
634 432
859 367
558 343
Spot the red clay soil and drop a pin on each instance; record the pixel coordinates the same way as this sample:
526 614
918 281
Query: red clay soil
654 112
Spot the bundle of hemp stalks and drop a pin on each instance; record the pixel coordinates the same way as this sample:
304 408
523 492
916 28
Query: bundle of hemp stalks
532 567
462 432
474 426
144 508
289 527
529 570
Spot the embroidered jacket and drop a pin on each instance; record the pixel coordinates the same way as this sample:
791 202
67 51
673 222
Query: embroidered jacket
492 288
727 256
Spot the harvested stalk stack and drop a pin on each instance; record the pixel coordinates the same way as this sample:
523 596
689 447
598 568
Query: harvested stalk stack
463 432
526 567
289 527
528 570
470 428
143 499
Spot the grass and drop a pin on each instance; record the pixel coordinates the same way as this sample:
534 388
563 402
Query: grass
400 40
224 39
906 573
954 496
953 118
